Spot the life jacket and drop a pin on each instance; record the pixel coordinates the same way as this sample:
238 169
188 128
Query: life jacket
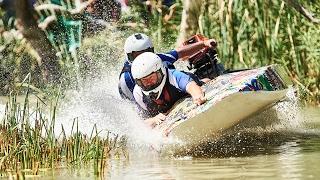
126 68
169 96
129 81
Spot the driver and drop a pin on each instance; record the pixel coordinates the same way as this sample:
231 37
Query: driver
159 88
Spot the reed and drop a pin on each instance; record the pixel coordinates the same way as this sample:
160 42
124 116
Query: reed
257 33
28 142
155 19
252 34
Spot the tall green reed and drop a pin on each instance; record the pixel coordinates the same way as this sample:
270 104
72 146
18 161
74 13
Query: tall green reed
29 143
155 19
257 33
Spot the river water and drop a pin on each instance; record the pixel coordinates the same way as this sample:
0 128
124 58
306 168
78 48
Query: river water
276 153
280 153
289 149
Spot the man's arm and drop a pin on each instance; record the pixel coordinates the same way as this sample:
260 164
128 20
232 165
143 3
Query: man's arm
196 93
149 120
186 84
188 50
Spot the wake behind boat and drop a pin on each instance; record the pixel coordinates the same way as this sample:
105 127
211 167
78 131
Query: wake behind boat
231 99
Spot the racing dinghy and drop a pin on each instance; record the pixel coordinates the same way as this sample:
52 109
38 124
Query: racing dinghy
231 99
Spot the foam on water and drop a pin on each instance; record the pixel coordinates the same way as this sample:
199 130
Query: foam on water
98 102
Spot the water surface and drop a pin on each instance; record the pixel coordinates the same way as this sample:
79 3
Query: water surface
288 150
283 153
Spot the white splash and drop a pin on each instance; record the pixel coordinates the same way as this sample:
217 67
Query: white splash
288 111
98 103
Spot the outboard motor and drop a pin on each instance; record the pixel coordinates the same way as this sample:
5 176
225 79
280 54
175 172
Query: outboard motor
205 62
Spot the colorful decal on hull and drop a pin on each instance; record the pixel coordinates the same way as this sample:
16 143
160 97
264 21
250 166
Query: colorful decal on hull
265 78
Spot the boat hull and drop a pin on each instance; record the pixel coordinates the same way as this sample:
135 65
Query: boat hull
231 99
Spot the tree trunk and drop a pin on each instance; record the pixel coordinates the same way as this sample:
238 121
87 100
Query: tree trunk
28 26
189 20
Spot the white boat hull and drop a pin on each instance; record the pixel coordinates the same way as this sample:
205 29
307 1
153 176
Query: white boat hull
232 98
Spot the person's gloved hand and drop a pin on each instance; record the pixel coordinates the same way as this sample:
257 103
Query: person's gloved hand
210 43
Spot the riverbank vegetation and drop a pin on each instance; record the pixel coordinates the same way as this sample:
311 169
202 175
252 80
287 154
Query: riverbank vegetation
250 34
30 145
76 45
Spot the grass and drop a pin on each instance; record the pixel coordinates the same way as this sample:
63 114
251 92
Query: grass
29 143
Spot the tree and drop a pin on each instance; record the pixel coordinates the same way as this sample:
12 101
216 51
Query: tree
189 20
28 26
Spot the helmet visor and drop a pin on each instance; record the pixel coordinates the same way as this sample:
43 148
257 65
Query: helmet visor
151 81
134 54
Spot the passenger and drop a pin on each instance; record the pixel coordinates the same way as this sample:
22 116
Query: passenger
159 88
139 43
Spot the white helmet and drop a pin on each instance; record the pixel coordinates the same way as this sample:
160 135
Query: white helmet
144 65
137 42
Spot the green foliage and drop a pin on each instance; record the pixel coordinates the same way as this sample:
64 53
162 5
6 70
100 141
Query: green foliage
257 33
29 143
18 59
160 22
249 33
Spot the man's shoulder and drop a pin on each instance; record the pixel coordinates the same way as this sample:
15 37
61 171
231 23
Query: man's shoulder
173 54
126 64
179 78
175 72
126 68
